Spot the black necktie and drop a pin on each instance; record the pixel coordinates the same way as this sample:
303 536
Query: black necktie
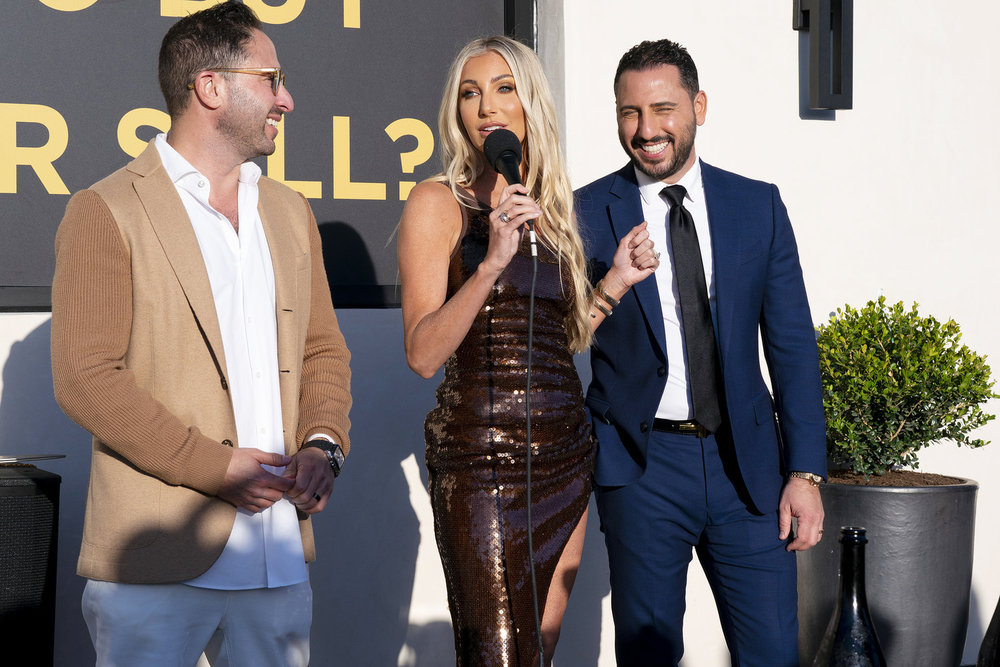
696 314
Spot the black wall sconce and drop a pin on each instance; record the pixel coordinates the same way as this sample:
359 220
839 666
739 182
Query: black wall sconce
519 21
830 26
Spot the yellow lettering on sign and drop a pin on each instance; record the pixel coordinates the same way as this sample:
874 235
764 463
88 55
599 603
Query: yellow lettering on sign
133 120
68 5
352 13
184 7
287 12
411 127
276 168
343 187
39 158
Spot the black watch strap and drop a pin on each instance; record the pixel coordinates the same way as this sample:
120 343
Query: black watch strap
334 454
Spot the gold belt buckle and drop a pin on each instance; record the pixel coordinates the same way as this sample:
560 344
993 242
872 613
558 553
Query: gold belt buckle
694 428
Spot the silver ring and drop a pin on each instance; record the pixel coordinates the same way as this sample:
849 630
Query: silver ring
656 254
317 497
504 217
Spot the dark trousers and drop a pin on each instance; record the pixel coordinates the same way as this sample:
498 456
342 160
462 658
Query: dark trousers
686 499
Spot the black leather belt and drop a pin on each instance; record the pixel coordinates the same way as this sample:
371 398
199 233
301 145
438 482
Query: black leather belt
684 428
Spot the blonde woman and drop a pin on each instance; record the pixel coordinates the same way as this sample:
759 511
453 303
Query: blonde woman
465 270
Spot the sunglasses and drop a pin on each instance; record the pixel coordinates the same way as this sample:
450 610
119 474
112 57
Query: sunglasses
275 74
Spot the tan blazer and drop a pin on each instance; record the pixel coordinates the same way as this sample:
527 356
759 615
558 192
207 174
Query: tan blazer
137 360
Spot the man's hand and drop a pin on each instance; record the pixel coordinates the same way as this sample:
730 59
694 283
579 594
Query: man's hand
800 499
634 261
248 485
313 480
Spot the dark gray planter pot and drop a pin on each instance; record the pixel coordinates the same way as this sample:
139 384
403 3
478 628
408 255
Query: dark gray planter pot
918 569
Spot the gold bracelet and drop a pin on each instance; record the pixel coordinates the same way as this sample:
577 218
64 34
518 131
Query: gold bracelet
601 292
600 307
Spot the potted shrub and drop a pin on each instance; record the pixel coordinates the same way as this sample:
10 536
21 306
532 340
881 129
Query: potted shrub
894 382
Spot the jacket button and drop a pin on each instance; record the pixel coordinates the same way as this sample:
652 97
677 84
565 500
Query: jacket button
643 427
227 442
661 371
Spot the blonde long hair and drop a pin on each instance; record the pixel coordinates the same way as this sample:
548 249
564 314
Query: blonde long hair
546 178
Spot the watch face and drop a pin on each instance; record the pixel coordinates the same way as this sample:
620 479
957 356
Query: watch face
338 455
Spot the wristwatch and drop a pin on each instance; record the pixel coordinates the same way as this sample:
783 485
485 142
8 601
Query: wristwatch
334 454
813 479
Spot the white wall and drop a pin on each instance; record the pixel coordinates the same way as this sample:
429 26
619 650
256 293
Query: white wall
897 195
892 196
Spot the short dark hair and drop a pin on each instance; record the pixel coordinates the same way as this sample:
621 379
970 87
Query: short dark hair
213 37
648 55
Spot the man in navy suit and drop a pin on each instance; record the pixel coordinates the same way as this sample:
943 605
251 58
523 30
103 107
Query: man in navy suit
667 478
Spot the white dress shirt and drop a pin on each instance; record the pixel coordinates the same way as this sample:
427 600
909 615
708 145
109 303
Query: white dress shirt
264 549
676 400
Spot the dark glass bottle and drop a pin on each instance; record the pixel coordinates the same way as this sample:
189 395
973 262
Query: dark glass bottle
850 638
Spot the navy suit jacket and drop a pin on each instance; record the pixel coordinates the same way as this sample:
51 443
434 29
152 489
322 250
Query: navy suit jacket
759 288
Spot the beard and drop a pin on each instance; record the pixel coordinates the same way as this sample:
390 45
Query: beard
244 125
682 146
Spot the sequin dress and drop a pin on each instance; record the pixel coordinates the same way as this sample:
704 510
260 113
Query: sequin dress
476 455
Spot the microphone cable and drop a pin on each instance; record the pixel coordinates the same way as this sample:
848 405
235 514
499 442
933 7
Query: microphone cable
527 423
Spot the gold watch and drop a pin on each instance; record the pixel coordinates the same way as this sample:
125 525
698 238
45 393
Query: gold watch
813 479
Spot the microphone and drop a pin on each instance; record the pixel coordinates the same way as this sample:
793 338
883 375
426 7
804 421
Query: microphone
503 152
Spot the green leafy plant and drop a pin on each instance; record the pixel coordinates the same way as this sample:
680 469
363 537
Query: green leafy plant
894 382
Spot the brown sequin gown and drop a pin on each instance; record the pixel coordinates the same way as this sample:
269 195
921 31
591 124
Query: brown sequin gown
476 455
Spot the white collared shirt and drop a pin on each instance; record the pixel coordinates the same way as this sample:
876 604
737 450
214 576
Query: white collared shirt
676 400
264 549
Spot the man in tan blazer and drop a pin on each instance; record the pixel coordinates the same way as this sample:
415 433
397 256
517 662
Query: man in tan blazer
193 335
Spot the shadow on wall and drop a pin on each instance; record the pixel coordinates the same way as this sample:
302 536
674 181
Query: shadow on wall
368 538
977 629
428 645
580 641
32 423
351 271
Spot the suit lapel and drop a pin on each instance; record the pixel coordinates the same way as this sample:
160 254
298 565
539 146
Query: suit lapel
723 206
625 211
172 227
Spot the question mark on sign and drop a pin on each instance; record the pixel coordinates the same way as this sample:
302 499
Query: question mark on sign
418 129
